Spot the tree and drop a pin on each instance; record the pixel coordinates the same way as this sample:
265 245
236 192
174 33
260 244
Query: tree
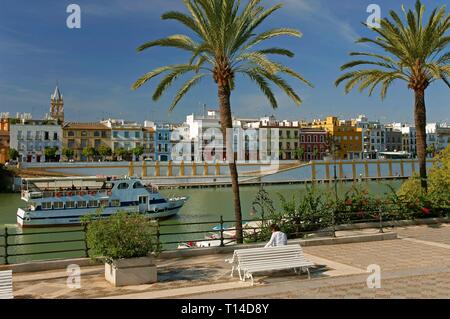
13 154
226 42
138 151
120 152
67 152
90 152
300 152
50 153
414 53
431 150
104 151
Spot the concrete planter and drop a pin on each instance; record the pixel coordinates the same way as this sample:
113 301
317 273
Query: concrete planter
133 271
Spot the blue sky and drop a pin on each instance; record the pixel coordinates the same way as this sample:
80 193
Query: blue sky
96 65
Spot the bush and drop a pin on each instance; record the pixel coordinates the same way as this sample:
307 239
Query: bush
122 235
436 202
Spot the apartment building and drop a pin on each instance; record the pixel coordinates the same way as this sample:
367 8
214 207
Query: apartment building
78 136
31 137
4 138
345 137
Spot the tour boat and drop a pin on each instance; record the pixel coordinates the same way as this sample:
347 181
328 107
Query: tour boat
64 201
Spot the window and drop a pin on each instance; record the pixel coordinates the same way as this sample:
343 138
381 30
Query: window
81 204
126 134
138 185
96 134
71 134
115 134
46 136
302 138
70 204
58 205
97 143
115 202
137 134
84 133
142 199
104 203
55 136
321 138
46 205
123 186
84 143
93 203
71 143
288 134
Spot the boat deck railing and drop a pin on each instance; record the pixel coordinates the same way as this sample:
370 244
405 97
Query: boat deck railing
64 193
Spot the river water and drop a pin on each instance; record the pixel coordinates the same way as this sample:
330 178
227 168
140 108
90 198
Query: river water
204 205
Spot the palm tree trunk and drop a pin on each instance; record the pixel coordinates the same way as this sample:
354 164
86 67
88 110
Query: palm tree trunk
421 144
226 122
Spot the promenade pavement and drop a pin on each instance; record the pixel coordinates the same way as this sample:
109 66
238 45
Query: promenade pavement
417 265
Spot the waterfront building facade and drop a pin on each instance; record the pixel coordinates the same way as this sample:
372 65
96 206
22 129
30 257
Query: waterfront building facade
4 137
344 135
393 139
124 135
162 142
313 144
78 136
148 132
31 137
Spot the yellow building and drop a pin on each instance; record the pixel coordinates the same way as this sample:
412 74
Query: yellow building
345 136
78 136
4 140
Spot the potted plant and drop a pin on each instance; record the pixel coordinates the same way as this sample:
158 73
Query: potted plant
127 244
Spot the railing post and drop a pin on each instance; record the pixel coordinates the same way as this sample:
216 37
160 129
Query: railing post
381 220
86 248
6 246
333 222
158 235
221 232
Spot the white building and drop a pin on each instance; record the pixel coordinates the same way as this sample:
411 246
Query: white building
124 134
31 137
373 136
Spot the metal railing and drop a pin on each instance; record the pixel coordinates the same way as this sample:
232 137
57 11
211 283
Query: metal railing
26 246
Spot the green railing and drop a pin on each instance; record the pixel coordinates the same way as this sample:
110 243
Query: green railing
17 245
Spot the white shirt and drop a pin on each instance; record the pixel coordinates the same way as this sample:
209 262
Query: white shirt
278 239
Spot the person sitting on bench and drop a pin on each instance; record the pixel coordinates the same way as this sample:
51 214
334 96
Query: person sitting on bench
278 237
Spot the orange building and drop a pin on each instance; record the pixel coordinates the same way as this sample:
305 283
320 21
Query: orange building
4 140
345 136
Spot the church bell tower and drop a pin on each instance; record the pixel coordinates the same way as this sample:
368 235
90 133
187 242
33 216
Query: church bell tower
57 106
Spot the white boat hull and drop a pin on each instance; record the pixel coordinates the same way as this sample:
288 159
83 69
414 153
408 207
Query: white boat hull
73 217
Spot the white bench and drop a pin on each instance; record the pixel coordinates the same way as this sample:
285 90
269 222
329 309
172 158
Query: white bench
6 290
249 261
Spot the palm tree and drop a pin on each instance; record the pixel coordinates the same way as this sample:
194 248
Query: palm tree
414 53
225 43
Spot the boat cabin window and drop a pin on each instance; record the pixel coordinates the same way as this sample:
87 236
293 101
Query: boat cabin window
123 186
93 203
81 204
104 203
143 199
138 185
70 204
115 202
58 205
46 205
